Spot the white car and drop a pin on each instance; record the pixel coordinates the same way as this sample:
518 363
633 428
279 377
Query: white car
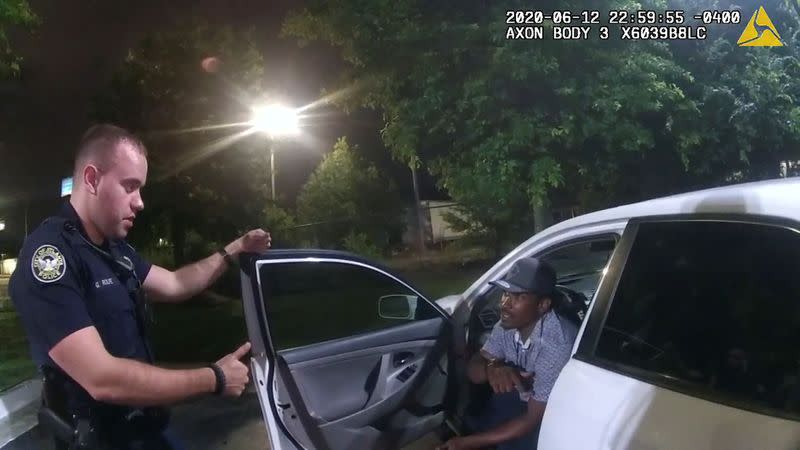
690 339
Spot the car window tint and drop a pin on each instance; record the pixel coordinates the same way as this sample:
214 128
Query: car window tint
714 306
311 302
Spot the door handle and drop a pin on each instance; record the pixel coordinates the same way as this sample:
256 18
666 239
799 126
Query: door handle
401 358
372 379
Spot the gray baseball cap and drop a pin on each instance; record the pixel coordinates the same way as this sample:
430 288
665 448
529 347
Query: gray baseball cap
528 275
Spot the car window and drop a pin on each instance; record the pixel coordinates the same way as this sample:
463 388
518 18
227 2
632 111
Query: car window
312 302
579 266
714 306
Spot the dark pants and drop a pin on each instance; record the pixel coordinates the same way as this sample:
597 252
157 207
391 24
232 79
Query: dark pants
164 441
500 409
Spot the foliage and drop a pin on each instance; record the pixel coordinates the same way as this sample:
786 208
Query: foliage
509 127
13 13
360 244
202 181
345 194
281 223
750 100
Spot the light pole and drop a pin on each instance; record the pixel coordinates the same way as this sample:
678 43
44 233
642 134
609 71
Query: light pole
276 121
2 255
272 169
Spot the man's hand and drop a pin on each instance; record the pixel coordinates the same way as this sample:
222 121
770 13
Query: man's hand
255 241
504 379
236 373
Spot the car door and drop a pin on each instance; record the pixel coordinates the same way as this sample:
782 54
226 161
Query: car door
345 354
691 341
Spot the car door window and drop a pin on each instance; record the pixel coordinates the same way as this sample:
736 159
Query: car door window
312 302
713 307
579 266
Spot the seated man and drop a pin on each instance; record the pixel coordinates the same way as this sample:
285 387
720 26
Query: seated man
521 360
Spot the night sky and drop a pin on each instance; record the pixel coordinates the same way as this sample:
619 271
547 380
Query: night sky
72 55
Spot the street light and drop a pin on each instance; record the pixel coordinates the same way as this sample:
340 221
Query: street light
2 255
277 121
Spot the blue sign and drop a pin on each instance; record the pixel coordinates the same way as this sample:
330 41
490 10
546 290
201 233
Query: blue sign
66 186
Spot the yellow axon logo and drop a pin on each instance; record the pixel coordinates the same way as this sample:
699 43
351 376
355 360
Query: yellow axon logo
760 32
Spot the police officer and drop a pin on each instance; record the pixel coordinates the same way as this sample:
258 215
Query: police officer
79 293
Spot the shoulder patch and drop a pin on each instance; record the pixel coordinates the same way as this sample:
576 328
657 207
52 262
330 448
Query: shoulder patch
48 264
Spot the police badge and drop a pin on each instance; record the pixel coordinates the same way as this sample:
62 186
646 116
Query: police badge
48 264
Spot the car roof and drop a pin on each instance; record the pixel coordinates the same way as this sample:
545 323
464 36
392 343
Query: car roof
776 198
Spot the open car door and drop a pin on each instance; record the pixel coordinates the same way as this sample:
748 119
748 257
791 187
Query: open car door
346 355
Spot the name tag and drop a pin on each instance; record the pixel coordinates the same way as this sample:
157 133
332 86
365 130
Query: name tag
104 282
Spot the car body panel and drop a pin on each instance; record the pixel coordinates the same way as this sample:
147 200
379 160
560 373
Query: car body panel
620 411
593 408
609 410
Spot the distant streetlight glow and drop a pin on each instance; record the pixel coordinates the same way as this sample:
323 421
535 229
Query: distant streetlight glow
2 225
276 120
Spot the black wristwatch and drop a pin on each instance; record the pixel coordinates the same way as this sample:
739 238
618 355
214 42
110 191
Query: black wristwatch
228 258
219 375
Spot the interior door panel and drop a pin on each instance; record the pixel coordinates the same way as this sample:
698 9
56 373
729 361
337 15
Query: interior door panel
420 330
353 390
360 380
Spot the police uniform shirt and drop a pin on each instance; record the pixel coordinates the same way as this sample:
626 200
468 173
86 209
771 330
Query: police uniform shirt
62 285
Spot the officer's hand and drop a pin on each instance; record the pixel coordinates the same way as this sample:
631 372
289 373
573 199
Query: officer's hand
255 241
504 379
237 375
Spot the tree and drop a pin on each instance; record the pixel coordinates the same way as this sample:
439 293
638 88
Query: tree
282 225
502 123
750 100
347 197
510 127
13 13
201 181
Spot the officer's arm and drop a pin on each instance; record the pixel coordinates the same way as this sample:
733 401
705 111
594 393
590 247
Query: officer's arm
164 285
123 381
188 281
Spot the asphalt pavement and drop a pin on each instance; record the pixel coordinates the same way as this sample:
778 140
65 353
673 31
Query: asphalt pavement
208 423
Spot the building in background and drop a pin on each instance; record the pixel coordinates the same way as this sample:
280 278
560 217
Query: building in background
436 228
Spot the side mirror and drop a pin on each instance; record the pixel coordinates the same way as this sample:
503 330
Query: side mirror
398 307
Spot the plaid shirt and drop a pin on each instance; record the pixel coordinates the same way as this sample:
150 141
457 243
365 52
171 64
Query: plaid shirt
544 353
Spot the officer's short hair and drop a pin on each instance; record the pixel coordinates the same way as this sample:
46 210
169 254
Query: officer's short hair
100 141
